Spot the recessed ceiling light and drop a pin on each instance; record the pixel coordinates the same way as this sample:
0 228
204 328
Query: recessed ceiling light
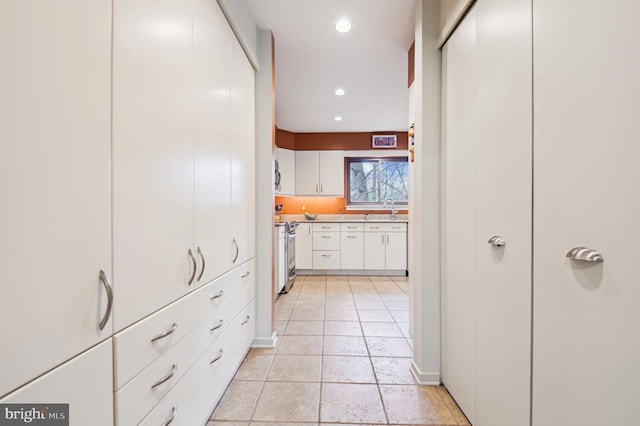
339 92
338 118
343 26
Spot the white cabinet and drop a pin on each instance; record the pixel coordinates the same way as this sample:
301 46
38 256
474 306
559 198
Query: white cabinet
326 246
242 140
281 261
153 157
385 246
55 184
304 246
320 173
586 132
352 246
287 163
212 185
183 160
85 383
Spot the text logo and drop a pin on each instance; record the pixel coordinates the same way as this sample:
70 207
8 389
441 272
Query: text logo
34 414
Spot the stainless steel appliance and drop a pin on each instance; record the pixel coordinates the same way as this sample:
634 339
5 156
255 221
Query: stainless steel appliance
290 255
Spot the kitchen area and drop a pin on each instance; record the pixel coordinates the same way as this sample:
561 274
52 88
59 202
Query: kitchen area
322 227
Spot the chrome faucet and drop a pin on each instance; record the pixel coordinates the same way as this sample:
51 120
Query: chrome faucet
394 211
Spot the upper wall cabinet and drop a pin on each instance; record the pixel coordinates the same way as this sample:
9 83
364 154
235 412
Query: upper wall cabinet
320 173
55 184
287 163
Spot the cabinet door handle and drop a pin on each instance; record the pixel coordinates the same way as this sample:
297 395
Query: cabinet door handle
387 238
203 263
174 411
167 377
235 243
316 188
496 241
195 267
217 358
382 238
321 188
217 296
246 320
174 327
217 326
107 286
245 275
585 254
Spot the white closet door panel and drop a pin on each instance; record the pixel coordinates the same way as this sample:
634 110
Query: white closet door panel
586 128
458 215
152 155
55 182
212 150
85 383
242 140
503 208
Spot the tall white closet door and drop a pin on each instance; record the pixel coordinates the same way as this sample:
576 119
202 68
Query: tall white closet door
458 210
242 247
212 147
152 155
503 208
55 182
586 129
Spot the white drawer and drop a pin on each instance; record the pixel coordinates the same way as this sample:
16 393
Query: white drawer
326 227
385 227
192 399
245 281
243 331
326 241
326 259
135 399
135 347
351 227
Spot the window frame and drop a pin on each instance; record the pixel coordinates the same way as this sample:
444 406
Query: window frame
372 205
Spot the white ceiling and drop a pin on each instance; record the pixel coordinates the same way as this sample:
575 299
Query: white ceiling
313 59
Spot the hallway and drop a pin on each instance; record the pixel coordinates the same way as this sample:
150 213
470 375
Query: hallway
343 357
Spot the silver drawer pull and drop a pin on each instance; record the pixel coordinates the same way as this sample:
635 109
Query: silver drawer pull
167 377
217 326
217 296
496 241
325 255
245 275
396 227
246 320
174 411
107 286
166 333
217 358
374 227
351 236
585 254
325 236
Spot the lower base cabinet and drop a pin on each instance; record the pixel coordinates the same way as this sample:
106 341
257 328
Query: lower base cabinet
85 383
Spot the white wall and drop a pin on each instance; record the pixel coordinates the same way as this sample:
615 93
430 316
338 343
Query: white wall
244 26
424 204
265 154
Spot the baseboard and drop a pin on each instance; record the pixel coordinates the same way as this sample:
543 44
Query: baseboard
431 379
341 272
265 342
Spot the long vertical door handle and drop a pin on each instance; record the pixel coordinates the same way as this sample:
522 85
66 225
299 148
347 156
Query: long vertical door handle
107 286
195 266
174 411
203 263
237 251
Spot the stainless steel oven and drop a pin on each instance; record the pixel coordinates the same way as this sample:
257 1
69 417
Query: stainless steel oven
290 255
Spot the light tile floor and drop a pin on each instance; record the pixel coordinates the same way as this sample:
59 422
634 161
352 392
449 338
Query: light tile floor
343 357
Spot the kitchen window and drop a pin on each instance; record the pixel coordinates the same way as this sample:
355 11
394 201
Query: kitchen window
371 181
